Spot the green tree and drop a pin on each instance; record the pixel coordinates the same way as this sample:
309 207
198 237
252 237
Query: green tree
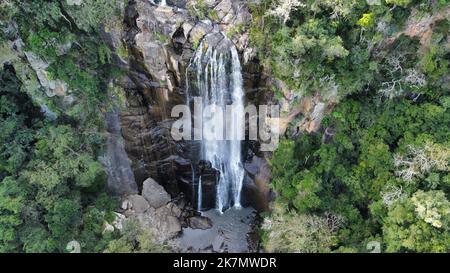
417 224
300 233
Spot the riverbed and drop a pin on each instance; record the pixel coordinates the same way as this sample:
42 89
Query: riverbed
232 231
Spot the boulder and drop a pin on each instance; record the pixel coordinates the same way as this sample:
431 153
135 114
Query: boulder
138 203
165 221
154 193
200 222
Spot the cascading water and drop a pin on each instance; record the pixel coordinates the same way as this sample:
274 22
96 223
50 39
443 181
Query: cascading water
199 194
219 83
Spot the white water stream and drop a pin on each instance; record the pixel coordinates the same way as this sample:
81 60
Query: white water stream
219 81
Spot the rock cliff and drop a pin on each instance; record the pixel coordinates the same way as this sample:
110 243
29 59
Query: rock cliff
156 45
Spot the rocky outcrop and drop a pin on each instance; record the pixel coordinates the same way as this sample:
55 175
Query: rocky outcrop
154 45
116 224
301 114
313 110
32 72
306 113
153 212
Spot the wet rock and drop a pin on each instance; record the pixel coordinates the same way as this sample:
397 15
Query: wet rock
199 222
218 42
209 177
229 233
154 193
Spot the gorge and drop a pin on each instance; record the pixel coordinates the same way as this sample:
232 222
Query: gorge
89 161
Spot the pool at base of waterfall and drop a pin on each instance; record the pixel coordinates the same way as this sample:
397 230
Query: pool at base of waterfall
232 231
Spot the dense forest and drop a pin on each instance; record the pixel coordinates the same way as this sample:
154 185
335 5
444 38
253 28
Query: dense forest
53 182
383 176
377 170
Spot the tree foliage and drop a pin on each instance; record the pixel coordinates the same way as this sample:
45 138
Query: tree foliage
384 171
51 181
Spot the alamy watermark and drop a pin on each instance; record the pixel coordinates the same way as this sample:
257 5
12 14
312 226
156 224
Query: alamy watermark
212 122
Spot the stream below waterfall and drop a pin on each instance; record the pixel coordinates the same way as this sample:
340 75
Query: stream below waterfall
233 231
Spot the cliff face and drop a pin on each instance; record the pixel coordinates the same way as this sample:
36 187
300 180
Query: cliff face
154 46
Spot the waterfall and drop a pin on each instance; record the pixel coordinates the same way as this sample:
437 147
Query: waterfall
199 194
237 127
219 83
